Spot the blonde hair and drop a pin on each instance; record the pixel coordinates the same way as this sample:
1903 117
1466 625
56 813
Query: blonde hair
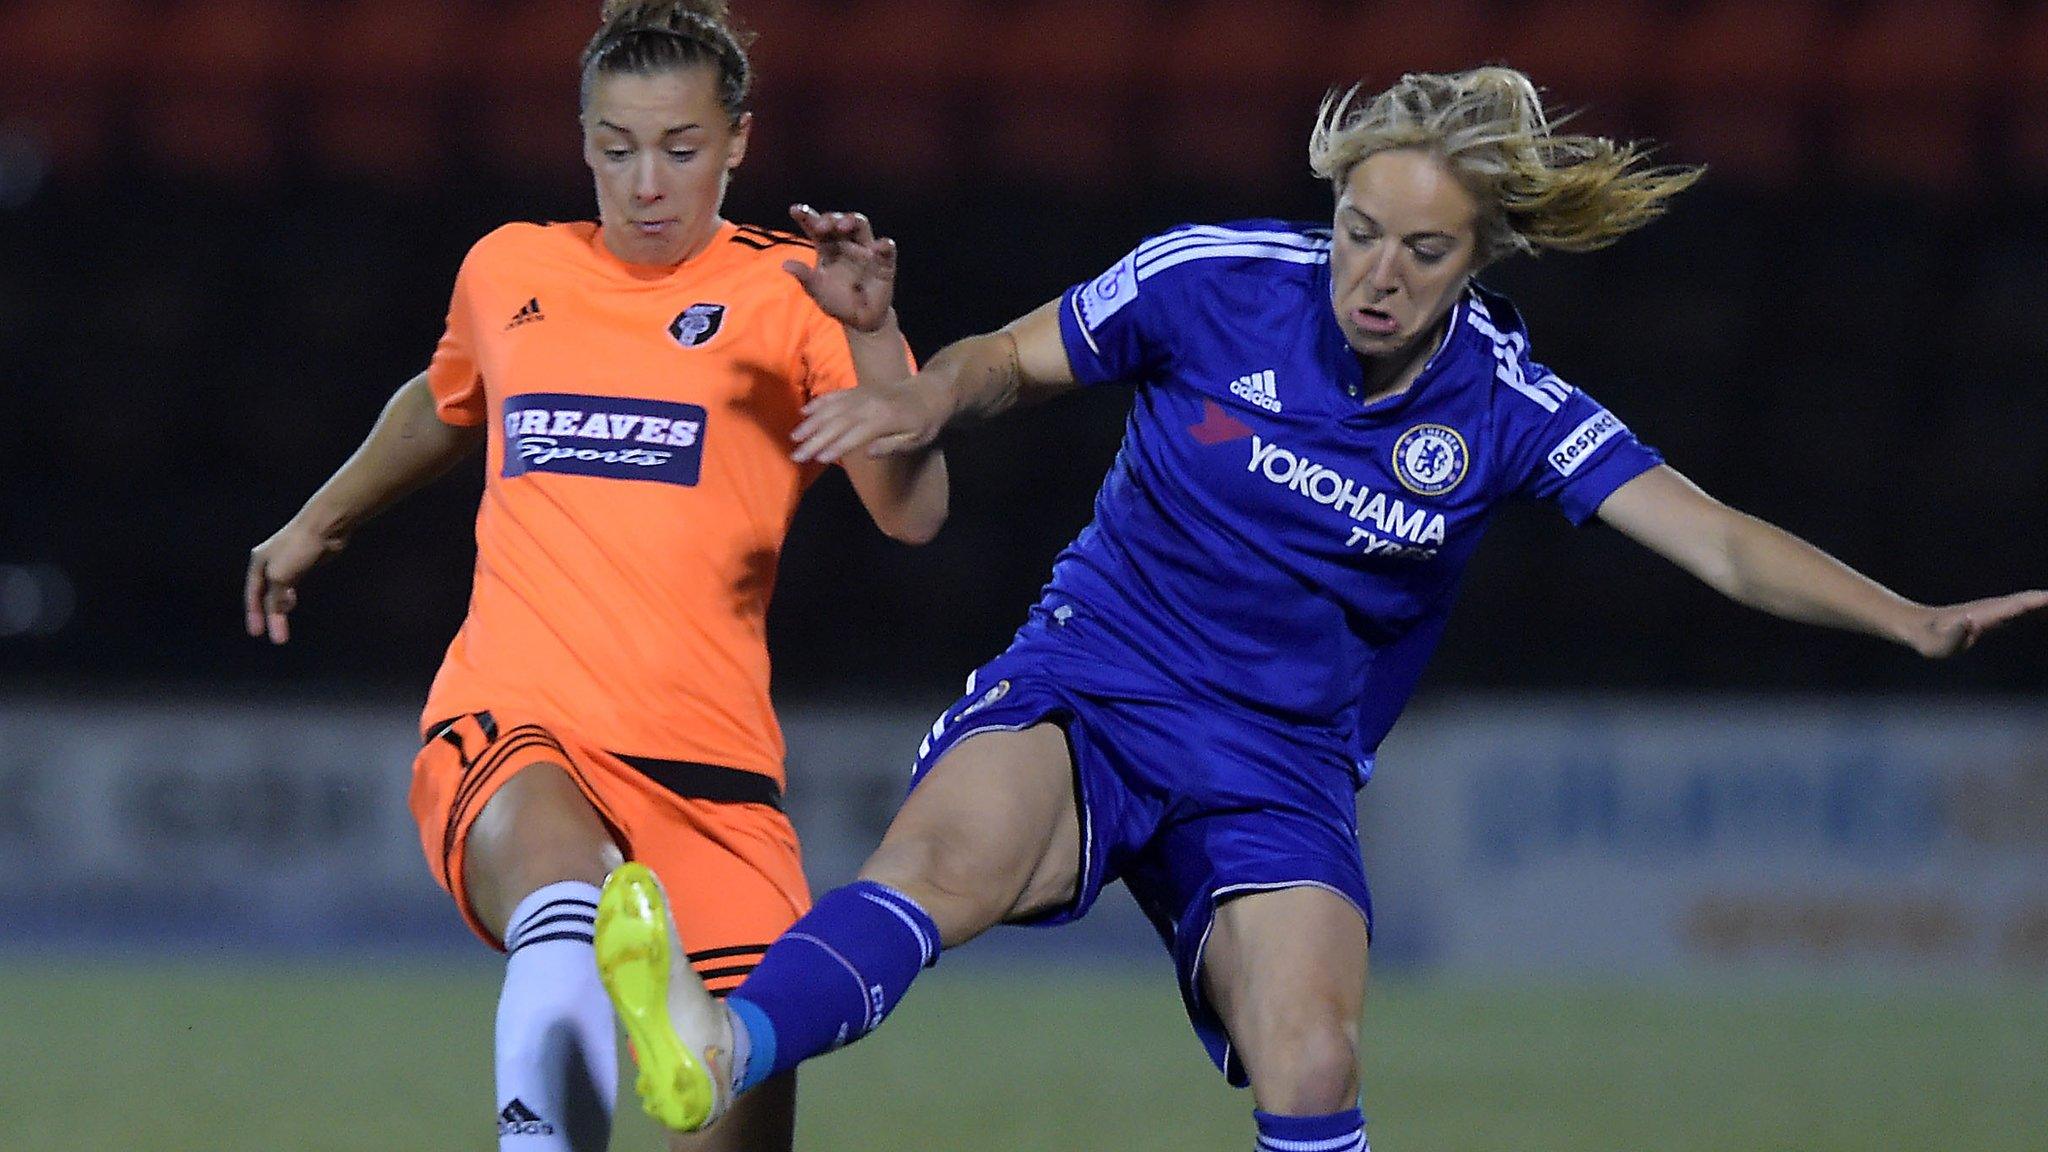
1536 189
643 37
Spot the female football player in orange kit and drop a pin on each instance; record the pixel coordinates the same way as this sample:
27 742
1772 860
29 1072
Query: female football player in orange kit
634 383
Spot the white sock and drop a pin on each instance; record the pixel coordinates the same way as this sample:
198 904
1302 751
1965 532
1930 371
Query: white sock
558 1056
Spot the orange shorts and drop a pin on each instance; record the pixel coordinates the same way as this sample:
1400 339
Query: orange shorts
716 837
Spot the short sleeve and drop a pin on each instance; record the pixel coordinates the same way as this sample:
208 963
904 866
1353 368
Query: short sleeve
827 357
1112 325
457 382
1576 456
827 360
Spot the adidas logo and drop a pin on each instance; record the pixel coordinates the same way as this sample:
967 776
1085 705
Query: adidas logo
517 1119
1258 389
527 314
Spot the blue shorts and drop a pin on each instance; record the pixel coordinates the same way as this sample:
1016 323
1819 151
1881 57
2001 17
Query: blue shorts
1189 803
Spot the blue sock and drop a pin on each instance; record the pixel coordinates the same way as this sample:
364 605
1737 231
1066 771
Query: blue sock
832 977
1336 1132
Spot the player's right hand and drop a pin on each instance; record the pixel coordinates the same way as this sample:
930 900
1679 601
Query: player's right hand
854 278
276 566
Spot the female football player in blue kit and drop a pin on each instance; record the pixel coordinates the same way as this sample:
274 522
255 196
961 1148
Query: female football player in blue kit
1325 420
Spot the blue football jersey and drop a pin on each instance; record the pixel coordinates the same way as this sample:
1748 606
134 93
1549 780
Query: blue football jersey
1264 538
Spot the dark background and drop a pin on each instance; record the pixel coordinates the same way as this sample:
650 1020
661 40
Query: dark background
228 229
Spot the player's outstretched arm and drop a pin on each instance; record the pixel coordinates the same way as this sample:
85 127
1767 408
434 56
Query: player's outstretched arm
408 446
1024 362
1765 567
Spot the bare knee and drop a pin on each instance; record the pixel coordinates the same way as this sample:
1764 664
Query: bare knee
960 888
1286 971
1303 1066
992 833
538 829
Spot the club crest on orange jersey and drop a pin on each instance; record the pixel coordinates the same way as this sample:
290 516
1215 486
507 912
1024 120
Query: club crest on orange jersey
697 324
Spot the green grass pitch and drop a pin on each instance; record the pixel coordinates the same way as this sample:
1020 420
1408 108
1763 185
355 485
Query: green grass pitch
987 1058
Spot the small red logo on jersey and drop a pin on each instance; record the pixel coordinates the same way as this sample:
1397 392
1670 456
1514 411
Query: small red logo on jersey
1218 426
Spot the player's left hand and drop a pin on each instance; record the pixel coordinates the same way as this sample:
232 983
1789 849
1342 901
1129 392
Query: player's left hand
1952 628
855 277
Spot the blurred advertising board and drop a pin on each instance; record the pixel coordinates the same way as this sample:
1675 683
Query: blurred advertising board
1545 835
1621 835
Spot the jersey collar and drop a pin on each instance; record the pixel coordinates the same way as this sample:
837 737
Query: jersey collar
1350 374
712 253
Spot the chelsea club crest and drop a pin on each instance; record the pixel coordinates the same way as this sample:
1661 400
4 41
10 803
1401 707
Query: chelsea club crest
1430 459
697 324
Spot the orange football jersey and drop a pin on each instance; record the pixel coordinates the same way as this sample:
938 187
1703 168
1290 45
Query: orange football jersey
638 483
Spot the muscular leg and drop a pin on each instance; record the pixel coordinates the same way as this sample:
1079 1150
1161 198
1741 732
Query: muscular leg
1286 972
993 831
531 866
536 830
991 834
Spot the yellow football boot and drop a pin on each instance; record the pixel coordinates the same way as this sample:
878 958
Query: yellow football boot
681 1036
